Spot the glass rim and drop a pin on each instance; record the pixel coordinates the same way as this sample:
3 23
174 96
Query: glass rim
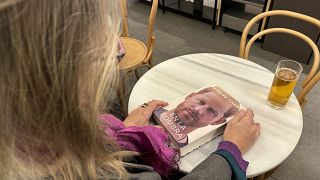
289 60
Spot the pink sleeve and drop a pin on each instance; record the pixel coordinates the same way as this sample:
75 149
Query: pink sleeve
111 124
151 142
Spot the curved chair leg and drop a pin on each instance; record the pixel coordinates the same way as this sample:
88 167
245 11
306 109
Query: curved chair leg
147 65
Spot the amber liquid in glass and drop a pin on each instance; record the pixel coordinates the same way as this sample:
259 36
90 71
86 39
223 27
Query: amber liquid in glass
282 86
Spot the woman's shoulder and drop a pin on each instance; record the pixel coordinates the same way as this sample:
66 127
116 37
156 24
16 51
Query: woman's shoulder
139 171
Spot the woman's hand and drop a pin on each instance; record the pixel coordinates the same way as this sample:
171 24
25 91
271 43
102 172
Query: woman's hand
242 130
141 115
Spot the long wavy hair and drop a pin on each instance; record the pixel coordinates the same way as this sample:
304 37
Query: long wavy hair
57 68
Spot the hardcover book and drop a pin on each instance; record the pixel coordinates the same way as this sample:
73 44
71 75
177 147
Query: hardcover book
197 117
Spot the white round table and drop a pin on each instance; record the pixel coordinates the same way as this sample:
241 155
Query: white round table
246 81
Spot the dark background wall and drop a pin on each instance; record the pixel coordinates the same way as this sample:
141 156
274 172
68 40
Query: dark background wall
287 45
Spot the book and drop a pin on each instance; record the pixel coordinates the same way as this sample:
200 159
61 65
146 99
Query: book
196 118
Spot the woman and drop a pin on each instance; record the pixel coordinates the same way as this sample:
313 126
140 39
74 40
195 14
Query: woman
58 68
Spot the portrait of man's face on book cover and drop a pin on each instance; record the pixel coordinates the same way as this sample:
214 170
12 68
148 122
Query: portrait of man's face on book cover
204 107
207 106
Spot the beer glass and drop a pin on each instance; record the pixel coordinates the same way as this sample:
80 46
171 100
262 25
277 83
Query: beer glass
284 81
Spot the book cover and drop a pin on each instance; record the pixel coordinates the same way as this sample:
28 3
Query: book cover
197 117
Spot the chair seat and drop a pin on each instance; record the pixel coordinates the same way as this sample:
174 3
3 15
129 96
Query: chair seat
136 52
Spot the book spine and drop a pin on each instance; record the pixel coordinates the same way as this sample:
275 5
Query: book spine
156 118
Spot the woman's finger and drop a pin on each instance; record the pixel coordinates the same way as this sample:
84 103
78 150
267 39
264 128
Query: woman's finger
240 114
249 116
156 103
159 103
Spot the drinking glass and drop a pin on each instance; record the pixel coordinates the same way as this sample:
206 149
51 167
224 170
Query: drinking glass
284 81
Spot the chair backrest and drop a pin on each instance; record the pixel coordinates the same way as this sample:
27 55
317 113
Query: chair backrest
152 18
313 77
125 31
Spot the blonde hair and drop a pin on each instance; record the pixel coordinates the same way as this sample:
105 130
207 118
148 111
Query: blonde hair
57 68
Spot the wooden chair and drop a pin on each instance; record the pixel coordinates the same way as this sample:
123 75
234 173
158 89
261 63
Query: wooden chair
313 76
137 54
